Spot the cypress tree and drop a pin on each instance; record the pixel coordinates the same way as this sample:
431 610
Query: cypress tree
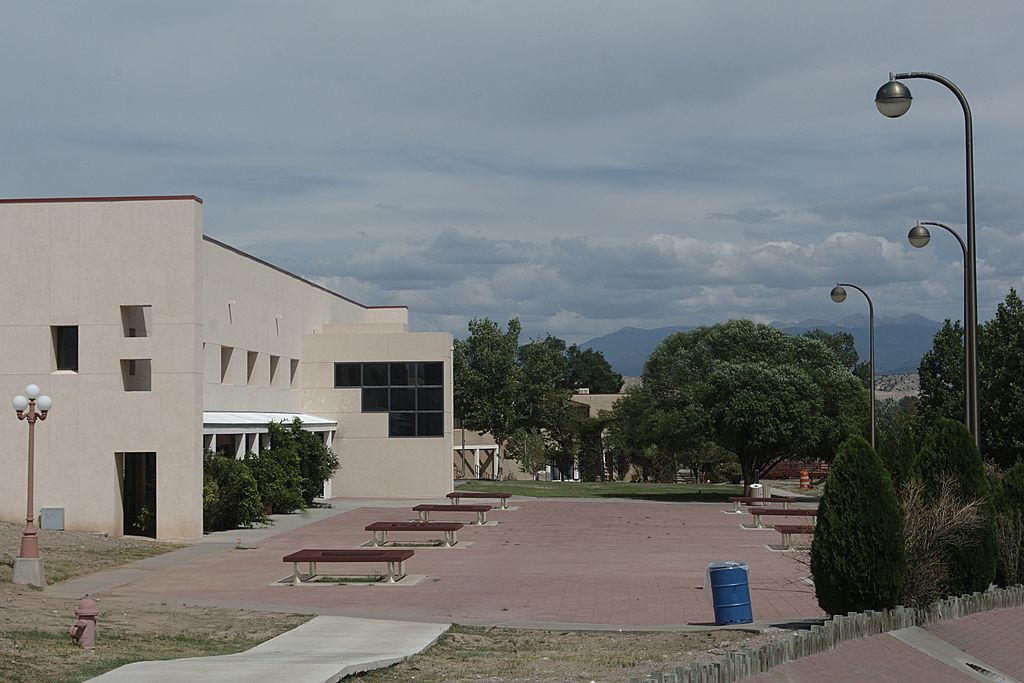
1008 498
857 557
897 450
950 453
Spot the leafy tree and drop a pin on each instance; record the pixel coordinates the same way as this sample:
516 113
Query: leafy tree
857 555
842 344
527 448
753 390
317 462
488 391
588 369
1001 382
231 498
941 373
949 453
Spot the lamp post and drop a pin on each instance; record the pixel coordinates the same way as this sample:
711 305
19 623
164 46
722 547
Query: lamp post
838 295
893 100
919 238
28 566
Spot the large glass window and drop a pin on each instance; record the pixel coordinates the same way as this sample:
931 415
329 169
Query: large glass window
411 393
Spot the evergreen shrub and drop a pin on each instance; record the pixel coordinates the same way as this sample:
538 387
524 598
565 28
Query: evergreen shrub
857 556
949 452
1009 508
278 478
317 462
231 498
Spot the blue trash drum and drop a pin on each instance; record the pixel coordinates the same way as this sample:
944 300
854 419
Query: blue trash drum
730 593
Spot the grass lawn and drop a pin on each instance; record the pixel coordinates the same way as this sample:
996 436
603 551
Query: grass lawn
679 493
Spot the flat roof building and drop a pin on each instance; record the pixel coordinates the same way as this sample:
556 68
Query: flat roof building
156 342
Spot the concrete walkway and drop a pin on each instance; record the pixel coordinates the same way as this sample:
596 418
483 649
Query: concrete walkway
324 649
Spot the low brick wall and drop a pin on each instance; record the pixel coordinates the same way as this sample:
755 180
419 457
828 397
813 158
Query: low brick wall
833 633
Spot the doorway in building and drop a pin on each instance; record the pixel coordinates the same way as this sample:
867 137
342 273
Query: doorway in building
138 494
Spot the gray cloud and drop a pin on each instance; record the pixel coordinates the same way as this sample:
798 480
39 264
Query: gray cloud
582 166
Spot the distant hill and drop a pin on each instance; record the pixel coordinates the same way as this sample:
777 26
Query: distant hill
899 342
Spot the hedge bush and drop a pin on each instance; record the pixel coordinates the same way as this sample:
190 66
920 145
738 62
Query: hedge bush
316 462
949 452
231 498
1008 500
857 556
897 450
278 478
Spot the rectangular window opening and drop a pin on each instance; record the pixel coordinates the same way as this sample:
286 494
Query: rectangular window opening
293 377
411 393
65 347
226 353
251 373
275 371
135 320
137 374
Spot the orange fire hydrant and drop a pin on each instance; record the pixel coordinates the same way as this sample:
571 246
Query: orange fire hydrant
83 631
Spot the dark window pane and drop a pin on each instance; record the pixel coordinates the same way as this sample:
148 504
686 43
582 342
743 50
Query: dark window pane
403 399
402 424
433 374
399 374
430 424
430 399
347 375
66 347
375 374
375 400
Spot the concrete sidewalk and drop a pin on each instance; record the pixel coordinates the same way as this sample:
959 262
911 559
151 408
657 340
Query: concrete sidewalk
324 649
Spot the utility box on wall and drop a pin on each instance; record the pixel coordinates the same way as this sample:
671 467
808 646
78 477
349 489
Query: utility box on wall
51 519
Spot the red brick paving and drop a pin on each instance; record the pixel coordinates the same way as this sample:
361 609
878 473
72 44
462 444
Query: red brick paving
630 563
880 659
995 637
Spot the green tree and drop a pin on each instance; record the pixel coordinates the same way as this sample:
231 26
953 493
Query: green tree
278 477
1001 382
527 448
897 449
754 390
588 369
488 391
941 373
857 556
949 453
842 344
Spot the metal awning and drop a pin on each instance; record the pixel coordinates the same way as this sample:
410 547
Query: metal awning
233 423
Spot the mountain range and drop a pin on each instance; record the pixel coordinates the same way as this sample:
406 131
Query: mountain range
899 342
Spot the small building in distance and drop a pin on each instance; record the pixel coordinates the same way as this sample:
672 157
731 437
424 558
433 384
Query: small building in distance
157 342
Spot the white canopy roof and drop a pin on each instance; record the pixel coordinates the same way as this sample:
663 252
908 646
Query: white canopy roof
231 423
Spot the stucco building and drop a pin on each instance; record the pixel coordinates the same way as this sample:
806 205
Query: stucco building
156 341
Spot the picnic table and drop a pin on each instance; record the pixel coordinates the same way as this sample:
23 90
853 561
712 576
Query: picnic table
455 496
393 559
383 528
481 511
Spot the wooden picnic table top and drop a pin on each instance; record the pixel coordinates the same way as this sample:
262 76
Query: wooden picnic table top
792 512
447 507
794 528
479 494
353 555
414 526
773 499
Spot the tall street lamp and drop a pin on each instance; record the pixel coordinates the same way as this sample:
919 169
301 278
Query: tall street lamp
28 566
893 100
838 295
919 237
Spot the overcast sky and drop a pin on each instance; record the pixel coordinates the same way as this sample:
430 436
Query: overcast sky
580 165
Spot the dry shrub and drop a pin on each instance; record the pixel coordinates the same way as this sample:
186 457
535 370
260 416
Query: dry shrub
930 530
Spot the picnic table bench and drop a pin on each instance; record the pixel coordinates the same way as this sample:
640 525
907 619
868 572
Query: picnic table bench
454 496
787 531
393 559
380 530
785 500
480 510
795 512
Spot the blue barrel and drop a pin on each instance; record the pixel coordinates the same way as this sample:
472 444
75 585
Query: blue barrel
730 593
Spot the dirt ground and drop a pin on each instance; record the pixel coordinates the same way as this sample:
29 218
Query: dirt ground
34 642
520 656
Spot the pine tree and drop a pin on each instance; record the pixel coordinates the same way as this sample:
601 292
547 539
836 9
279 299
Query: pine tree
857 557
950 453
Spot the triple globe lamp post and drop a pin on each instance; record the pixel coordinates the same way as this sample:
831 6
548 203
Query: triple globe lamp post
28 566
